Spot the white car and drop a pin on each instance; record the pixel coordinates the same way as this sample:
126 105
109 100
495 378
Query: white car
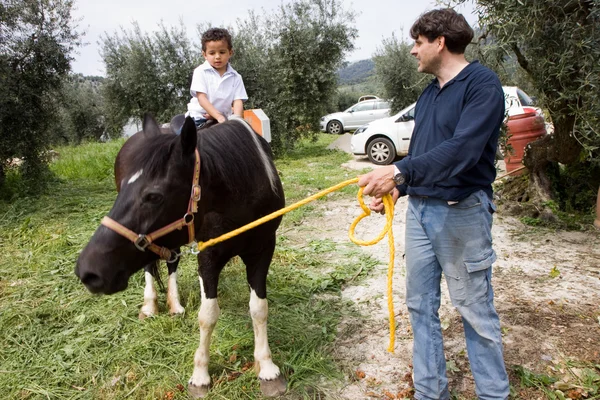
385 139
359 114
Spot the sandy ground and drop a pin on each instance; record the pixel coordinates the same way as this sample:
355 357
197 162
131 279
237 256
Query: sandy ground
547 288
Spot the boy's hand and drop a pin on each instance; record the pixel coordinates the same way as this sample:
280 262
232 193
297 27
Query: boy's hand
221 118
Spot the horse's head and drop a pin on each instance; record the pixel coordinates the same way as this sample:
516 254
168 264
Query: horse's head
156 172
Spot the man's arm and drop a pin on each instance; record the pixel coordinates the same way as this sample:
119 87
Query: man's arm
210 109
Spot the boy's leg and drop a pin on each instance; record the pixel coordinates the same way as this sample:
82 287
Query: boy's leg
423 275
461 235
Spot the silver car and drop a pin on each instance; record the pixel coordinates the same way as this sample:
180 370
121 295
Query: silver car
356 116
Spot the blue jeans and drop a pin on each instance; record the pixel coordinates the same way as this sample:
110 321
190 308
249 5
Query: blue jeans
456 240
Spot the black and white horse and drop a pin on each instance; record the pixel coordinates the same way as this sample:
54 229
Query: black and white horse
232 180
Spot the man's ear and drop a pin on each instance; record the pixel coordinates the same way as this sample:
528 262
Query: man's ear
149 125
189 136
441 42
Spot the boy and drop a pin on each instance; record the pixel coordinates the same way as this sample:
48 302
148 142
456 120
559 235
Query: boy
216 86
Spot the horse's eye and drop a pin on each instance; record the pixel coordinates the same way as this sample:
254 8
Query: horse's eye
153 198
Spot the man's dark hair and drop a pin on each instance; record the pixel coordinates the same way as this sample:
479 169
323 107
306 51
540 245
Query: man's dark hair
447 23
214 35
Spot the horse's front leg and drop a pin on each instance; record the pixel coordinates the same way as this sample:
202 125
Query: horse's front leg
150 306
272 382
175 306
207 319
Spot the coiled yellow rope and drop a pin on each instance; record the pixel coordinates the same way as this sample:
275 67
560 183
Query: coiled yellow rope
387 230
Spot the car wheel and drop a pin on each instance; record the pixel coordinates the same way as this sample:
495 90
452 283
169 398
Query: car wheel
381 151
335 127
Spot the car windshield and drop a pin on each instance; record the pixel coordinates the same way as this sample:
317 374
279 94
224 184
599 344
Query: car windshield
410 110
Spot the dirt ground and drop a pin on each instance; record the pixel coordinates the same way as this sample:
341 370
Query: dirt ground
547 293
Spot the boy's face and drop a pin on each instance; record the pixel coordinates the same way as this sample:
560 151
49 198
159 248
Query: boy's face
217 54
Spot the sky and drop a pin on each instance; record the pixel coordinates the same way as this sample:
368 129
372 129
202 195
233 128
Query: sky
375 21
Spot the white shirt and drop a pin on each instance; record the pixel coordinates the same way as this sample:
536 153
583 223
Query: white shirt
221 91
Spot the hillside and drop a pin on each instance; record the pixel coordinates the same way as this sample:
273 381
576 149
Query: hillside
356 72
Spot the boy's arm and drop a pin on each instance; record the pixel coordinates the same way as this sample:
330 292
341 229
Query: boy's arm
238 107
210 109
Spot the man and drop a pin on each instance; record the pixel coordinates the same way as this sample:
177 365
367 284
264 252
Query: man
448 177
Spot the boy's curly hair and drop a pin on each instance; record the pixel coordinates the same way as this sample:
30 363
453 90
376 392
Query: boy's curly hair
447 23
216 34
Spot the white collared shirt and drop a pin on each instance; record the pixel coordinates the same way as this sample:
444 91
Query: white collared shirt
221 91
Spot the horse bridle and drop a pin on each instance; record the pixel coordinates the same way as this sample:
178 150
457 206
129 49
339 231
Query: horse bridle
145 241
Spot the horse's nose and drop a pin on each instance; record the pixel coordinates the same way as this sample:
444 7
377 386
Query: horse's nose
91 280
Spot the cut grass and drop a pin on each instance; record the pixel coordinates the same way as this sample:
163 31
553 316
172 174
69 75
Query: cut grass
61 342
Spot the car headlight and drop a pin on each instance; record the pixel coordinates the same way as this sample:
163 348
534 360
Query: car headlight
361 129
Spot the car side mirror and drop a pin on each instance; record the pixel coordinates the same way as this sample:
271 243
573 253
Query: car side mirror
405 118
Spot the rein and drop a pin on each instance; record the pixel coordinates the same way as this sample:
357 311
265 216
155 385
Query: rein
145 241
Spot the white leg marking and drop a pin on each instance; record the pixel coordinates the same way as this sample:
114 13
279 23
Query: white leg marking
207 319
135 176
149 308
173 295
259 311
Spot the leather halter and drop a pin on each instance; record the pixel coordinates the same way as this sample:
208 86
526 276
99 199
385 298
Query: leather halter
145 241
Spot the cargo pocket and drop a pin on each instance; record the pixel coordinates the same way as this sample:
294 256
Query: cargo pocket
474 266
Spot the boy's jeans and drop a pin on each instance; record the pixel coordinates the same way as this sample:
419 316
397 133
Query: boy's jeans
456 240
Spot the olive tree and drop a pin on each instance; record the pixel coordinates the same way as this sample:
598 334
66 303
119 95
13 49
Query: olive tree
557 44
289 59
397 69
37 38
146 72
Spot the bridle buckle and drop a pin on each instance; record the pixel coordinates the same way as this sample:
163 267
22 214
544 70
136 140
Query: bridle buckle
142 242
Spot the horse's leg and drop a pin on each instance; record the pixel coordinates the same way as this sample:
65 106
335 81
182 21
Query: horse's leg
172 292
272 382
208 315
150 306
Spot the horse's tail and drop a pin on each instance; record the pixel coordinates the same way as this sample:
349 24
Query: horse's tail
266 159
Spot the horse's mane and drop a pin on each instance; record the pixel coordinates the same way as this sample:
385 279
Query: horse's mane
235 156
230 156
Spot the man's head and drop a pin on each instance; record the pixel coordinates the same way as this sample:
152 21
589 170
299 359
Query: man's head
446 23
439 34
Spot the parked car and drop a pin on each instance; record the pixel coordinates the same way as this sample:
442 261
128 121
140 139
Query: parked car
386 139
359 114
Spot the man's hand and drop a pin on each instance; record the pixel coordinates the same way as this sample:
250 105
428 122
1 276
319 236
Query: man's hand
378 182
377 203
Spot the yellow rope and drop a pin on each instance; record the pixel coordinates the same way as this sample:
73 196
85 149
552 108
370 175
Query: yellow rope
389 212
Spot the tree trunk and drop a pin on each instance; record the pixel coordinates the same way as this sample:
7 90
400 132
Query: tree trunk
558 147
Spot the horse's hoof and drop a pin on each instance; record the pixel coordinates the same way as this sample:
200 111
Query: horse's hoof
197 392
145 314
177 310
274 387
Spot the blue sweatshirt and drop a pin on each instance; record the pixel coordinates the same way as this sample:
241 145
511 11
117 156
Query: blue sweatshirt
454 142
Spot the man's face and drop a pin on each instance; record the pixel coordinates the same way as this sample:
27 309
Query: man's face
427 54
217 54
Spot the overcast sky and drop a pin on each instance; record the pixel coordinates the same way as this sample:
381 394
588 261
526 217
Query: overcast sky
376 20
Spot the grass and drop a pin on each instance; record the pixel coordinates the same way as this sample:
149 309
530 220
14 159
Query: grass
61 342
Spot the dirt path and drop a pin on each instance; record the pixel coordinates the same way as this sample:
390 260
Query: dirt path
547 288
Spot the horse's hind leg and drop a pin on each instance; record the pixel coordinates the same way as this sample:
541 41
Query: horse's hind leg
272 382
150 306
172 292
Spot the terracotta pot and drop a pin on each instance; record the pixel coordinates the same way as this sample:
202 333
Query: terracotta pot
597 221
522 129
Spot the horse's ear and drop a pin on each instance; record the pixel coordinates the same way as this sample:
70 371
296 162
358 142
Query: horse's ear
189 136
150 126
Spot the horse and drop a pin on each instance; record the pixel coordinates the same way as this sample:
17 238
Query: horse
219 179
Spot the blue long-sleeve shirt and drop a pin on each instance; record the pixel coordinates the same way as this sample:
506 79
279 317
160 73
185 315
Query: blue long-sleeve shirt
455 138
